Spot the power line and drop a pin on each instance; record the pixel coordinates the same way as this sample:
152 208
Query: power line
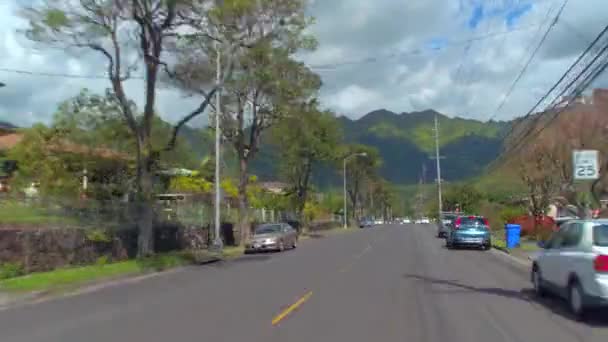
529 61
319 67
62 75
588 75
561 79
419 51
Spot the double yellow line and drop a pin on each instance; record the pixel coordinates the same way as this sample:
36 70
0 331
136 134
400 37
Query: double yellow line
278 318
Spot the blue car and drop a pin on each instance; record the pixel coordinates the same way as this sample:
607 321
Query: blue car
469 231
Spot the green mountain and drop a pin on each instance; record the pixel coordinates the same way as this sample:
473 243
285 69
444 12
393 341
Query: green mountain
405 142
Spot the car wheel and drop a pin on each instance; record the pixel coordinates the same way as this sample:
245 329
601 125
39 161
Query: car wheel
448 244
486 247
575 300
537 282
295 244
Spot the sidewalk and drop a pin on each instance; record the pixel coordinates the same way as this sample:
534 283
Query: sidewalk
522 253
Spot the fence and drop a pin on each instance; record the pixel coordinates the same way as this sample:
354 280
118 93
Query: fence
188 210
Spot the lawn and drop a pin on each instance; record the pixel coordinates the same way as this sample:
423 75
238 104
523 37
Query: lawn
66 278
20 213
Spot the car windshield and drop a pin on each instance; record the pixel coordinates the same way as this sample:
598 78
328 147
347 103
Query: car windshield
472 221
600 235
268 229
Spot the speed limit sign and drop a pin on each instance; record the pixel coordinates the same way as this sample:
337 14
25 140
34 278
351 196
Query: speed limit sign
585 164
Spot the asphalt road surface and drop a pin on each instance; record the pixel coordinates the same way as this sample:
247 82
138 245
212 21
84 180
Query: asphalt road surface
390 283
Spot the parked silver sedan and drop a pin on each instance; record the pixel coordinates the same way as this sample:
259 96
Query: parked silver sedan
272 237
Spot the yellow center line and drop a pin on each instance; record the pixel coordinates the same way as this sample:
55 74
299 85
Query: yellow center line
291 308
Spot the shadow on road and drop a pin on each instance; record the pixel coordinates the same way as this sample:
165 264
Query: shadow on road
553 304
315 235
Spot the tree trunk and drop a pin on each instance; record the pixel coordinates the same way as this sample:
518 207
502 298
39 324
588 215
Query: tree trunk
145 203
244 226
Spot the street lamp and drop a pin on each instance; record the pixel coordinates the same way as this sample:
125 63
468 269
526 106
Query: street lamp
361 154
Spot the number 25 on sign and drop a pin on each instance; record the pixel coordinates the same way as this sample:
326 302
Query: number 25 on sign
585 164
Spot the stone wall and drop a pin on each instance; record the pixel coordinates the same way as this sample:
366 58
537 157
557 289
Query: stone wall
47 249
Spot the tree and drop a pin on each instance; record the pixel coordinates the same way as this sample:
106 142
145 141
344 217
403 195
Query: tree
305 139
256 41
536 169
359 171
36 163
128 34
546 161
463 196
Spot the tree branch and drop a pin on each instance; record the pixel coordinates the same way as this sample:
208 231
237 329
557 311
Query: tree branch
187 118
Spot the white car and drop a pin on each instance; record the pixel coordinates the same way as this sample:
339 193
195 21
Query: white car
574 264
425 220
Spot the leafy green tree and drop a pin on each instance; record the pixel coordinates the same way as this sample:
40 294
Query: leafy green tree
305 139
38 164
362 167
463 196
129 35
262 82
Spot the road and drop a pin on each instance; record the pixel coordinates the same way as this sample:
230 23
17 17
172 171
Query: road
391 283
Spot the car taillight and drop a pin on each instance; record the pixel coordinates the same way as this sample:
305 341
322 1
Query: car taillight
600 264
485 221
457 223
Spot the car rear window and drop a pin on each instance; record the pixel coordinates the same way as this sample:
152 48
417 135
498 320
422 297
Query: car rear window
472 221
600 235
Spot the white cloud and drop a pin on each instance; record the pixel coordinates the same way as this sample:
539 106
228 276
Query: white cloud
376 54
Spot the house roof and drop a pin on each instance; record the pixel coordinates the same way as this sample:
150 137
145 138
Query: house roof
10 140
102 152
7 126
274 187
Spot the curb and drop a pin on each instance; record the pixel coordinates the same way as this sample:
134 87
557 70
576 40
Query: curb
9 301
504 253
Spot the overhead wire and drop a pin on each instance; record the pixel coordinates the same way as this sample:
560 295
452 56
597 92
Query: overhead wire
573 89
559 81
529 61
318 67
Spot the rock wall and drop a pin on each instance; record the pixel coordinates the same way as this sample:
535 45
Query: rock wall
47 249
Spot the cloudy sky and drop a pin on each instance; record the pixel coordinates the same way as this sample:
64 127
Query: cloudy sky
456 56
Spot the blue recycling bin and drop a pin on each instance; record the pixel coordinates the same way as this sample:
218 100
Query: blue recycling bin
512 235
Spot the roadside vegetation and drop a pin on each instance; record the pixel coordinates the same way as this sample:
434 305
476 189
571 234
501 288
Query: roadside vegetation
68 278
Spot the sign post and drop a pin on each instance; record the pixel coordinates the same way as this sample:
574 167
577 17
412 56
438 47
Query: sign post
585 164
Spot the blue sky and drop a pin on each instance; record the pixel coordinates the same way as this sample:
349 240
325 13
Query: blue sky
510 11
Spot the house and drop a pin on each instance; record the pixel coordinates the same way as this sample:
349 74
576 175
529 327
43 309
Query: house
277 188
108 161
9 138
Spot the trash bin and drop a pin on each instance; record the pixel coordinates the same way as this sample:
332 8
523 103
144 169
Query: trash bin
512 235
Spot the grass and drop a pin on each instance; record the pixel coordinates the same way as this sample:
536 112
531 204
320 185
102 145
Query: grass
64 278
232 252
16 213
499 243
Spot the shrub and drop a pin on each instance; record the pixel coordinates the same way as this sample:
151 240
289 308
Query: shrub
102 261
11 270
98 235
162 262
508 214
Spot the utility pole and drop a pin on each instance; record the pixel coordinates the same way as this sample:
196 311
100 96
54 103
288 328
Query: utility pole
217 241
420 195
438 164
